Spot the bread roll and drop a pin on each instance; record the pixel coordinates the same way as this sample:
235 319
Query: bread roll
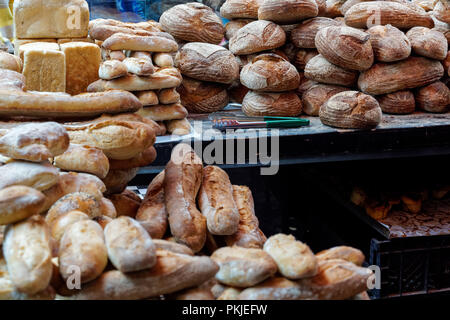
199 96
270 73
294 259
85 159
152 213
70 182
172 272
434 97
207 62
142 160
428 43
163 60
400 102
59 225
287 11
107 208
168 96
35 141
130 248
314 97
40 176
18 203
243 267
117 55
183 177
232 27
179 127
126 203
256 37
117 180
163 112
286 104
103 221
172 247
27 252
140 67
10 62
321 70
193 22
276 288
342 252
389 43
83 246
112 69
304 34
216 202
233 9
152 43
147 98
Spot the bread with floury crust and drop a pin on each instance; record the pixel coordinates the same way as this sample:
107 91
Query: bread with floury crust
321 70
234 9
158 42
200 96
112 69
342 252
18 203
287 11
40 176
283 104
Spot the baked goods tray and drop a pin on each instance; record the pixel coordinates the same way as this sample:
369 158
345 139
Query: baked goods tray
433 220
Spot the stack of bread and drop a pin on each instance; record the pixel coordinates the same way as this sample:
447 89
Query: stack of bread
138 58
207 68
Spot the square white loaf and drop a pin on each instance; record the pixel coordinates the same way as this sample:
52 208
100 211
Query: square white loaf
44 70
20 42
82 63
51 19
37 45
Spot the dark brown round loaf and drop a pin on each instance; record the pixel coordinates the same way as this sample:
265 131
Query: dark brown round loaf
286 104
201 97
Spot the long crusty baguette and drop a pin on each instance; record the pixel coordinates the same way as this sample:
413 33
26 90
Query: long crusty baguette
18 203
103 32
112 69
140 67
168 96
183 177
163 112
40 176
60 105
153 43
172 272
161 79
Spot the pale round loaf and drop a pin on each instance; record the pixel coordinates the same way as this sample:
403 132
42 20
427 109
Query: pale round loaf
389 43
233 26
287 11
193 22
321 70
207 62
304 34
286 104
317 95
235 9
201 97
428 43
257 36
270 73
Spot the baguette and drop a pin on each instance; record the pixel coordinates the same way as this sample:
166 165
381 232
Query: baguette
141 55
276 288
83 245
126 203
342 252
40 176
216 202
140 67
130 248
248 235
183 177
161 112
112 69
18 203
35 141
163 60
85 159
117 180
27 252
179 127
157 42
172 272
172 247
142 160
147 98
152 213
168 96
103 32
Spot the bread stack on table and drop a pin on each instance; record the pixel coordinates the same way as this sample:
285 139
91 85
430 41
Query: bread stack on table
138 58
207 68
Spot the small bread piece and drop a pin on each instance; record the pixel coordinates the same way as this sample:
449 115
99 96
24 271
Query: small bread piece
103 221
79 201
142 160
172 272
117 180
179 127
35 141
152 43
243 267
342 252
216 202
107 208
140 67
248 235
389 43
276 288
10 62
337 280
130 248
163 60
152 213
294 259
168 96
256 37
163 112
83 246
428 43
321 70
161 79
162 128
147 98
202 97
172 247
60 225
126 203
183 177
18 203
285 104
233 9
85 159
287 11
40 176
27 252
112 69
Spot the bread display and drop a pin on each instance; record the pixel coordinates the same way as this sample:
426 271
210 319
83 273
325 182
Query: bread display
389 43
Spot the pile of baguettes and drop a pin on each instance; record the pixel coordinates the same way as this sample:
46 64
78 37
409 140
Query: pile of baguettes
60 237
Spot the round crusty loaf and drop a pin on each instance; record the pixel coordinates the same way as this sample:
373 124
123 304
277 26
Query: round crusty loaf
304 34
321 70
232 27
442 11
201 97
345 47
400 102
302 57
434 97
193 22
257 36
314 97
428 43
351 110
286 104
207 62
270 73
389 43
287 11
235 9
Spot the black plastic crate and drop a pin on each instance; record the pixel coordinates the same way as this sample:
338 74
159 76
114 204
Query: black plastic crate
412 266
